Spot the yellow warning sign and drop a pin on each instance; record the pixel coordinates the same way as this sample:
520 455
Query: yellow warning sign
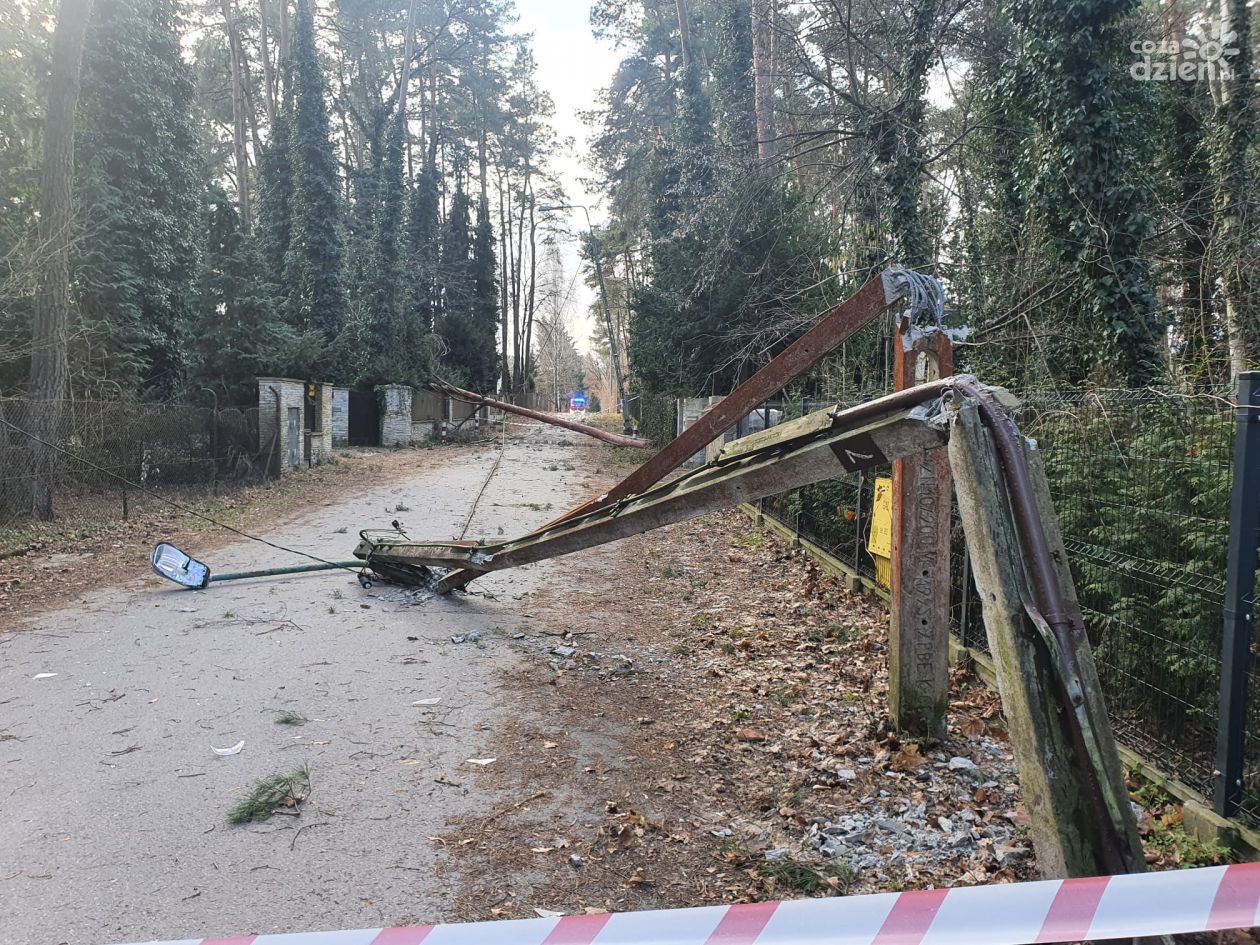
879 544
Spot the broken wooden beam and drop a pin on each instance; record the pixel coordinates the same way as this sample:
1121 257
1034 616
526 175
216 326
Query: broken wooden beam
792 455
1079 806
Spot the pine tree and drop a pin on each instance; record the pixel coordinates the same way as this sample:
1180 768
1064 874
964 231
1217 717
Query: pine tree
141 192
313 274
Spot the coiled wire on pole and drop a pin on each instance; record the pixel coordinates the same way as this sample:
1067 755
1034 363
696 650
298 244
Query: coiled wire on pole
925 296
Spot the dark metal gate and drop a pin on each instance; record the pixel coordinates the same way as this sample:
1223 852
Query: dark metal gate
365 419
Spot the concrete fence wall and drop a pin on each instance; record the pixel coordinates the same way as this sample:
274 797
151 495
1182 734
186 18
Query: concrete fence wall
405 416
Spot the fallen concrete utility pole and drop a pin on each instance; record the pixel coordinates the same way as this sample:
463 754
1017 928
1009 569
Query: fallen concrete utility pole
616 439
1060 732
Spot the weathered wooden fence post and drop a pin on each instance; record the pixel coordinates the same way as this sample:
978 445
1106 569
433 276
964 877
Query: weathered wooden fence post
1240 598
1069 835
918 651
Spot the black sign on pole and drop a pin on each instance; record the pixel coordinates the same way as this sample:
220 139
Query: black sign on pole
1240 595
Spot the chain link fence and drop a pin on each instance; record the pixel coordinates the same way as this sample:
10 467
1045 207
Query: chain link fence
106 449
1141 482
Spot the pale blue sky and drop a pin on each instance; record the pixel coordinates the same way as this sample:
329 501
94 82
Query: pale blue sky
572 65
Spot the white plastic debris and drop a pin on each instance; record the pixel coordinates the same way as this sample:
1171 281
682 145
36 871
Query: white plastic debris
43 676
234 750
482 761
548 913
427 701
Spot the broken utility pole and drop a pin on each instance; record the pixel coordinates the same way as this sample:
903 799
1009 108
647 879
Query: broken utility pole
1083 824
1069 772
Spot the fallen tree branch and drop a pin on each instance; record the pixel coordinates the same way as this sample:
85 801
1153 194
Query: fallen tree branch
616 439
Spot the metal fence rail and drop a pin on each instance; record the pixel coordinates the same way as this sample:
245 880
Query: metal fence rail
163 448
1141 481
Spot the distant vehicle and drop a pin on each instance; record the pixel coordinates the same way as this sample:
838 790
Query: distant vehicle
577 404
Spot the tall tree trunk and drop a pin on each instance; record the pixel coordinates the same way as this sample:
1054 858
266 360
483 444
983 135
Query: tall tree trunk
51 328
684 33
763 76
236 65
284 38
264 50
530 297
409 50
504 256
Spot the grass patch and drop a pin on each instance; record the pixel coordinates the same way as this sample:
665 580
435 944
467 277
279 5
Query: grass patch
845 873
289 717
277 792
751 540
793 874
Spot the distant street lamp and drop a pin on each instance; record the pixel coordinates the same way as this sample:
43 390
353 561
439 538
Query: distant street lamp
613 349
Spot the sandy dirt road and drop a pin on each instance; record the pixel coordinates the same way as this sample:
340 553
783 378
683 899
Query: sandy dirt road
114 805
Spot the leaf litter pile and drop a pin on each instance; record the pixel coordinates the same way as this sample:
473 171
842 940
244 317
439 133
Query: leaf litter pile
712 728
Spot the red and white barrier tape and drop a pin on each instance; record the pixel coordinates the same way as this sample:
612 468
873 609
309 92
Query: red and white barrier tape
1072 910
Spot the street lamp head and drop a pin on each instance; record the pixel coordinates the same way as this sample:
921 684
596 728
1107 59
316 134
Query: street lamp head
549 207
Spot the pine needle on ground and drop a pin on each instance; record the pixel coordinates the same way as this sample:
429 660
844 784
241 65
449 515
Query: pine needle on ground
273 793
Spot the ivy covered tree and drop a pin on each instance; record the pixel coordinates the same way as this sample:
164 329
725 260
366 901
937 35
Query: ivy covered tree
421 253
140 196
455 318
483 362
275 194
236 335
1082 178
315 295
